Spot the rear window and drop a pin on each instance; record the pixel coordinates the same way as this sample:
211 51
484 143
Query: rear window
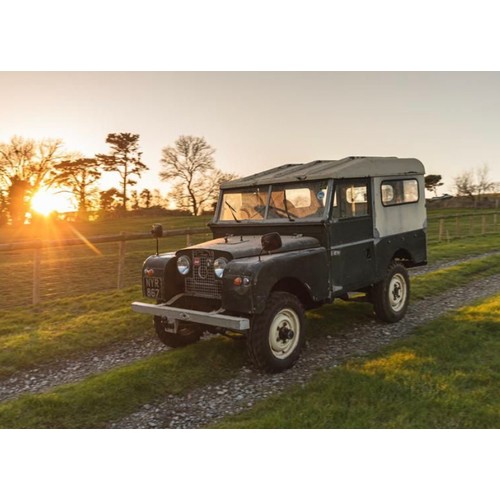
397 192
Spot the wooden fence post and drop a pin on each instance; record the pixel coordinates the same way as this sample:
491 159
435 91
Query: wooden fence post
188 238
37 265
483 224
441 229
121 261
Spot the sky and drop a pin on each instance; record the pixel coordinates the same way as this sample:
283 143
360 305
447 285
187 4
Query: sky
258 120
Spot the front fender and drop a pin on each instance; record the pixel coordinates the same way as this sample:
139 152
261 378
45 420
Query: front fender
308 266
164 267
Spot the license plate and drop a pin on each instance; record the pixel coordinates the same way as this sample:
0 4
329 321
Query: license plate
153 287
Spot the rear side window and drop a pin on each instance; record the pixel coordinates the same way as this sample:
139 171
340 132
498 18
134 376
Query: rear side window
399 191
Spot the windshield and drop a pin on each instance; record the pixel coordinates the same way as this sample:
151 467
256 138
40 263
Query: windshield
300 200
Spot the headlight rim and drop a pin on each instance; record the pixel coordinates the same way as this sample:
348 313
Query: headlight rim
187 267
219 271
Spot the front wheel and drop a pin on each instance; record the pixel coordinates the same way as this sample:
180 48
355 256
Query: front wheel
277 335
187 333
392 295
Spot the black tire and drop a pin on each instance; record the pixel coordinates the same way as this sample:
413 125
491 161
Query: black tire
392 295
277 335
187 333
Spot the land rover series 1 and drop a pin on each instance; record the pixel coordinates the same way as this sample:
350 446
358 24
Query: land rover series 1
291 239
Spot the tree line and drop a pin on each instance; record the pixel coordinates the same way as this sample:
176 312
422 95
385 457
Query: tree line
28 166
473 183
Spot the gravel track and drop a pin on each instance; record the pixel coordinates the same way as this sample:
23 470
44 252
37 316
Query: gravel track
46 377
176 411
209 404
416 271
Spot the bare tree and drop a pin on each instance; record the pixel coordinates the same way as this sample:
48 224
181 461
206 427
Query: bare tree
190 165
464 184
26 166
80 177
125 159
474 183
4 219
483 182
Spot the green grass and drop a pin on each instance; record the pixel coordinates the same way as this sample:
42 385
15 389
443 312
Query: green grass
50 230
103 398
67 327
71 326
78 270
445 376
467 247
442 280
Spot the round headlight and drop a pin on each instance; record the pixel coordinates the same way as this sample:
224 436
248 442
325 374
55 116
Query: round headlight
219 266
183 264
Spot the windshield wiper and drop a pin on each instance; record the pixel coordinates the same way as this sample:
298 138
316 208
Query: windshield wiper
233 212
290 218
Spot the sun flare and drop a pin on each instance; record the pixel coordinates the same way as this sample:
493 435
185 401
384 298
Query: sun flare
46 202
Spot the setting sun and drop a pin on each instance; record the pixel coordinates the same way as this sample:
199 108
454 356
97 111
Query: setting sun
46 202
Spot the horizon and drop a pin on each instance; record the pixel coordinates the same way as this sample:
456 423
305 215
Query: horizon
260 120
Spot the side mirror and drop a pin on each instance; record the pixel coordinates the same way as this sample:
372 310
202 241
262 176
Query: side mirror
270 242
157 231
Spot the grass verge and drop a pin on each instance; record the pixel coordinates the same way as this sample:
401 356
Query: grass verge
103 398
67 327
440 281
445 376
467 247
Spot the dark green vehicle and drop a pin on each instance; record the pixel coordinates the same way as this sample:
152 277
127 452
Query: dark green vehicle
291 239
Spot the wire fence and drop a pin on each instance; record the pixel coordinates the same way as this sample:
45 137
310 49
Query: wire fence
38 271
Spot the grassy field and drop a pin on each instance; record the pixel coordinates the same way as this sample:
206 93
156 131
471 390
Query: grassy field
72 271
68 327
445 376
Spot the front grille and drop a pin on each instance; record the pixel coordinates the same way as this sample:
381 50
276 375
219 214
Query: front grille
203 281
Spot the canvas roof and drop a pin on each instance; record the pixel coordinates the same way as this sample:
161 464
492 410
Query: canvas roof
350 167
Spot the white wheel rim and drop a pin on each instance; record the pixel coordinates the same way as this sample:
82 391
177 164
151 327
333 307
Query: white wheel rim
397 292
285 321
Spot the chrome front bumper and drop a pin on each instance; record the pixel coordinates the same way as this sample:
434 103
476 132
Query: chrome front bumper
215 318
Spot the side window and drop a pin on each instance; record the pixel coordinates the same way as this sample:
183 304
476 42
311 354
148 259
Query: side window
399 191
350 199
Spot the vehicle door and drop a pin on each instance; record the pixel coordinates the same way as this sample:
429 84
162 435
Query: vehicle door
351 235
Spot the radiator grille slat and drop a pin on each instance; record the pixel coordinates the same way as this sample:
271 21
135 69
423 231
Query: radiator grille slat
203 281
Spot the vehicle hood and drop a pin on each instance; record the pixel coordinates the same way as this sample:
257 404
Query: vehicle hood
248 246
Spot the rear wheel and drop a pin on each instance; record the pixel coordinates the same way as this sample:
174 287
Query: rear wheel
392 295
277 335
187 333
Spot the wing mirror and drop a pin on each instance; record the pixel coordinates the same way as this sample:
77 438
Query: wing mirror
157 232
